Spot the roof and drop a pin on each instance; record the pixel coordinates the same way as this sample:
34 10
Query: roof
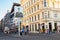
14 4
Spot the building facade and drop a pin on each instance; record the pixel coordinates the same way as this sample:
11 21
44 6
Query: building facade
41 14
5 21
2 24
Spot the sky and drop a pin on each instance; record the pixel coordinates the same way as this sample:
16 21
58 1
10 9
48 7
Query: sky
6 5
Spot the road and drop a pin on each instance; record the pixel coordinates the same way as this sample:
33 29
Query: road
30 37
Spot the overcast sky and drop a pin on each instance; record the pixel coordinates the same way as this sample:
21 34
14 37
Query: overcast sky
6 5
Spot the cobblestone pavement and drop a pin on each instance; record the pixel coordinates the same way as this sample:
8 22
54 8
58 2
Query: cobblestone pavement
53 36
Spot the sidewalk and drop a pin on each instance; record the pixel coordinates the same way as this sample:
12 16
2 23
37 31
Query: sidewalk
17 35
35 34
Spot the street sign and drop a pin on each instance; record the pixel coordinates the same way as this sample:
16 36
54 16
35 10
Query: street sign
19 14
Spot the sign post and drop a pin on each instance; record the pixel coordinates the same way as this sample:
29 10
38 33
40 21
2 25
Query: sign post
19 25
19 15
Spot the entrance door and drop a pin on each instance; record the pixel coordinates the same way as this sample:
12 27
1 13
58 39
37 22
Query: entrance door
39 26
35 27
55 25
30 28
43 28
27 28
50 27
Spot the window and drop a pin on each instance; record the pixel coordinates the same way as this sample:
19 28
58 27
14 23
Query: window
55 15
35 27
45 3
32 27
31 1
35 17
27 3
32 18
38 16
43 15
25 6
34 8
29 10
48 15
34 1
37 7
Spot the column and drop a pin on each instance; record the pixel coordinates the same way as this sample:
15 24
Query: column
40 27
53 26
31 27
37 26
34 27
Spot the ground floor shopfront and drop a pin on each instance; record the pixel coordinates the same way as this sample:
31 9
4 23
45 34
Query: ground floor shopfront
44 26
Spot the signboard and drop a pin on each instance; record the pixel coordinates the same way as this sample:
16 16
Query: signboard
19 14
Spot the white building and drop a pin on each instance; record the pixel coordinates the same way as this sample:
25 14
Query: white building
41 14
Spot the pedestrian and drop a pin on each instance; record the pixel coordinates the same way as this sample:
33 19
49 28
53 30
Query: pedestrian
49 31
25 31
22 30
21 33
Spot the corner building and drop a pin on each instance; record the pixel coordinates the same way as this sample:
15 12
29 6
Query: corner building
41 15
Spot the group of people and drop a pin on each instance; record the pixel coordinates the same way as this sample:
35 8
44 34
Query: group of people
25 31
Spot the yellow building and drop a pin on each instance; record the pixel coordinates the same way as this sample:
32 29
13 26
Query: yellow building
41 14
